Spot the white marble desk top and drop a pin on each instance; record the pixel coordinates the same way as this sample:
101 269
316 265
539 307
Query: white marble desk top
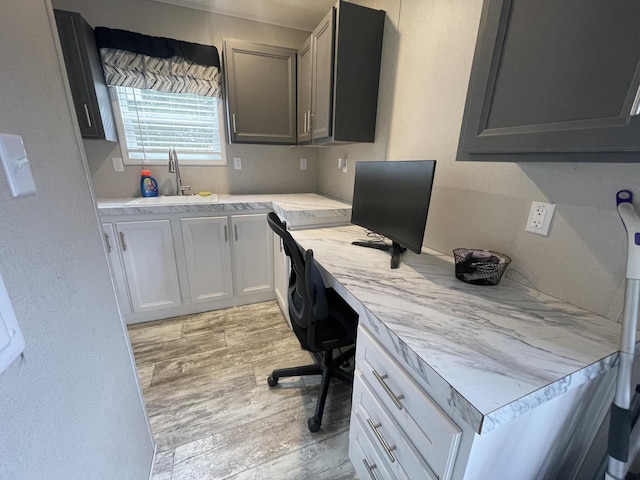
490 353
297 209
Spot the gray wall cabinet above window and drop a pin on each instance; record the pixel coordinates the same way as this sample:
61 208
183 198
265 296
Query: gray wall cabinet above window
260 93
342 78
554 81
86 79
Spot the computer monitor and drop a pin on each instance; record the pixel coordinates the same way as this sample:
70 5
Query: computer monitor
391 198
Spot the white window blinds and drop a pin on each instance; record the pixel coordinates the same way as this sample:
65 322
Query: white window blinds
152 122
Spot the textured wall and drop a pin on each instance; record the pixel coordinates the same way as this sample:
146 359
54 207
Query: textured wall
71 407
270 169
485 205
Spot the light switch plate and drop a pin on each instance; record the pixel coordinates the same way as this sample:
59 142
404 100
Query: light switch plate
11 339
16 165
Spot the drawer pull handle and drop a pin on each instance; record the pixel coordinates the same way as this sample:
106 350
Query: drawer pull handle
123 242
370 468
396 398
389 449
106 240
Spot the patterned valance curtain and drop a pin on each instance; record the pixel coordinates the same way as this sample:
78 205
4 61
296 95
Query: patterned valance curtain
140 61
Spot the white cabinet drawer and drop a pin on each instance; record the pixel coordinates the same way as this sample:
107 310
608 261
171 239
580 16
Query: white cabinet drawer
429 428
401 455
368 462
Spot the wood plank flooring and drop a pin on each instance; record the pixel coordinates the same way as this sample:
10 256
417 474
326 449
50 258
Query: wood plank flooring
212 413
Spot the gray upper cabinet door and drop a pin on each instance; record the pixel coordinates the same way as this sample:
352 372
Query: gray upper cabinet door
86 78
554 81
304 91
346 49
322 83
260 93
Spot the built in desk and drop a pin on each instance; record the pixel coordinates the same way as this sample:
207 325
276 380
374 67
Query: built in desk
462 381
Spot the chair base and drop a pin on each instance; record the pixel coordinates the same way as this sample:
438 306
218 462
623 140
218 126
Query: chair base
329 368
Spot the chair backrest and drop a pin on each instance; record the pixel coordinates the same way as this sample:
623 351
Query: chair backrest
307 294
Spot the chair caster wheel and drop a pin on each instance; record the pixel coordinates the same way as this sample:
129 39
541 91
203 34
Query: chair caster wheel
272 381
313 425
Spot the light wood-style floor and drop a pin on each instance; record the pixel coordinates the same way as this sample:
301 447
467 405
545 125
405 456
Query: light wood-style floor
212 413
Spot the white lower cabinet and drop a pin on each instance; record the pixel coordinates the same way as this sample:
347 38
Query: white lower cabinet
150 264
414 438
253 254
208 257
116 267
281 269
181 265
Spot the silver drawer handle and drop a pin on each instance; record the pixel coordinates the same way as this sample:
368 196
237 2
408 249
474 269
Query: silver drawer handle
370 468
106 240
635 107
389 449
123 242
86 112
396 398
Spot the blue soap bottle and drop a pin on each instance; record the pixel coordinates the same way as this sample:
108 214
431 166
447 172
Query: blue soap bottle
148 184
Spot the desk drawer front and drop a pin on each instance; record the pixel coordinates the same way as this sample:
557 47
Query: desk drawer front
400 454
367 460
431 430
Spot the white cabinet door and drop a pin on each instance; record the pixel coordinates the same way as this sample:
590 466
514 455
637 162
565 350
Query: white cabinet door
253 254
150 264
117 270
206 248
281 276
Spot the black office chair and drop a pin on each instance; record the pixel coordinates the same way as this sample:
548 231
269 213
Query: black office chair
321 319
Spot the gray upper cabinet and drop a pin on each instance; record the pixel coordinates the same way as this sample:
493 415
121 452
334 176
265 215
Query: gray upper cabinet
260 93
554 81
86 79
345 57
304 91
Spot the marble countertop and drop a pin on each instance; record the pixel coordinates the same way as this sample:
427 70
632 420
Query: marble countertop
297 209
489 353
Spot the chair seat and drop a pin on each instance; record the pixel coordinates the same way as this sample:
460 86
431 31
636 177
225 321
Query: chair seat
339 329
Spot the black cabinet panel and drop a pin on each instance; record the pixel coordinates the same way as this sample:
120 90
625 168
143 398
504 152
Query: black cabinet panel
86 79
346 49
551 80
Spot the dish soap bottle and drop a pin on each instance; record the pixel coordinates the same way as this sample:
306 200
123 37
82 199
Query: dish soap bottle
148 184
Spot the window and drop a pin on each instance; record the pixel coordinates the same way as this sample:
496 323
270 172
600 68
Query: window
151 122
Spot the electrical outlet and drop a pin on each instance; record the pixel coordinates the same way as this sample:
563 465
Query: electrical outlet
340 163
303 164
344 165
237 163
118 166
540 217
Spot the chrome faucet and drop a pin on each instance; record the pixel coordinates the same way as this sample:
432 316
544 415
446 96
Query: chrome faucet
174 167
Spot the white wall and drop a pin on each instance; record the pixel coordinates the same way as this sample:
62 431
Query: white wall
265 169
485 205
71 408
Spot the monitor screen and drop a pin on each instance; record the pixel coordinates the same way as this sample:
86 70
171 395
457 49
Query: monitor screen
391 198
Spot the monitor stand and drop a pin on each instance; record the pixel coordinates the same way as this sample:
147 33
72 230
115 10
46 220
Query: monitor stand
395 249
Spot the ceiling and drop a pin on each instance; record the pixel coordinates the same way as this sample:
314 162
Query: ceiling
297 14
